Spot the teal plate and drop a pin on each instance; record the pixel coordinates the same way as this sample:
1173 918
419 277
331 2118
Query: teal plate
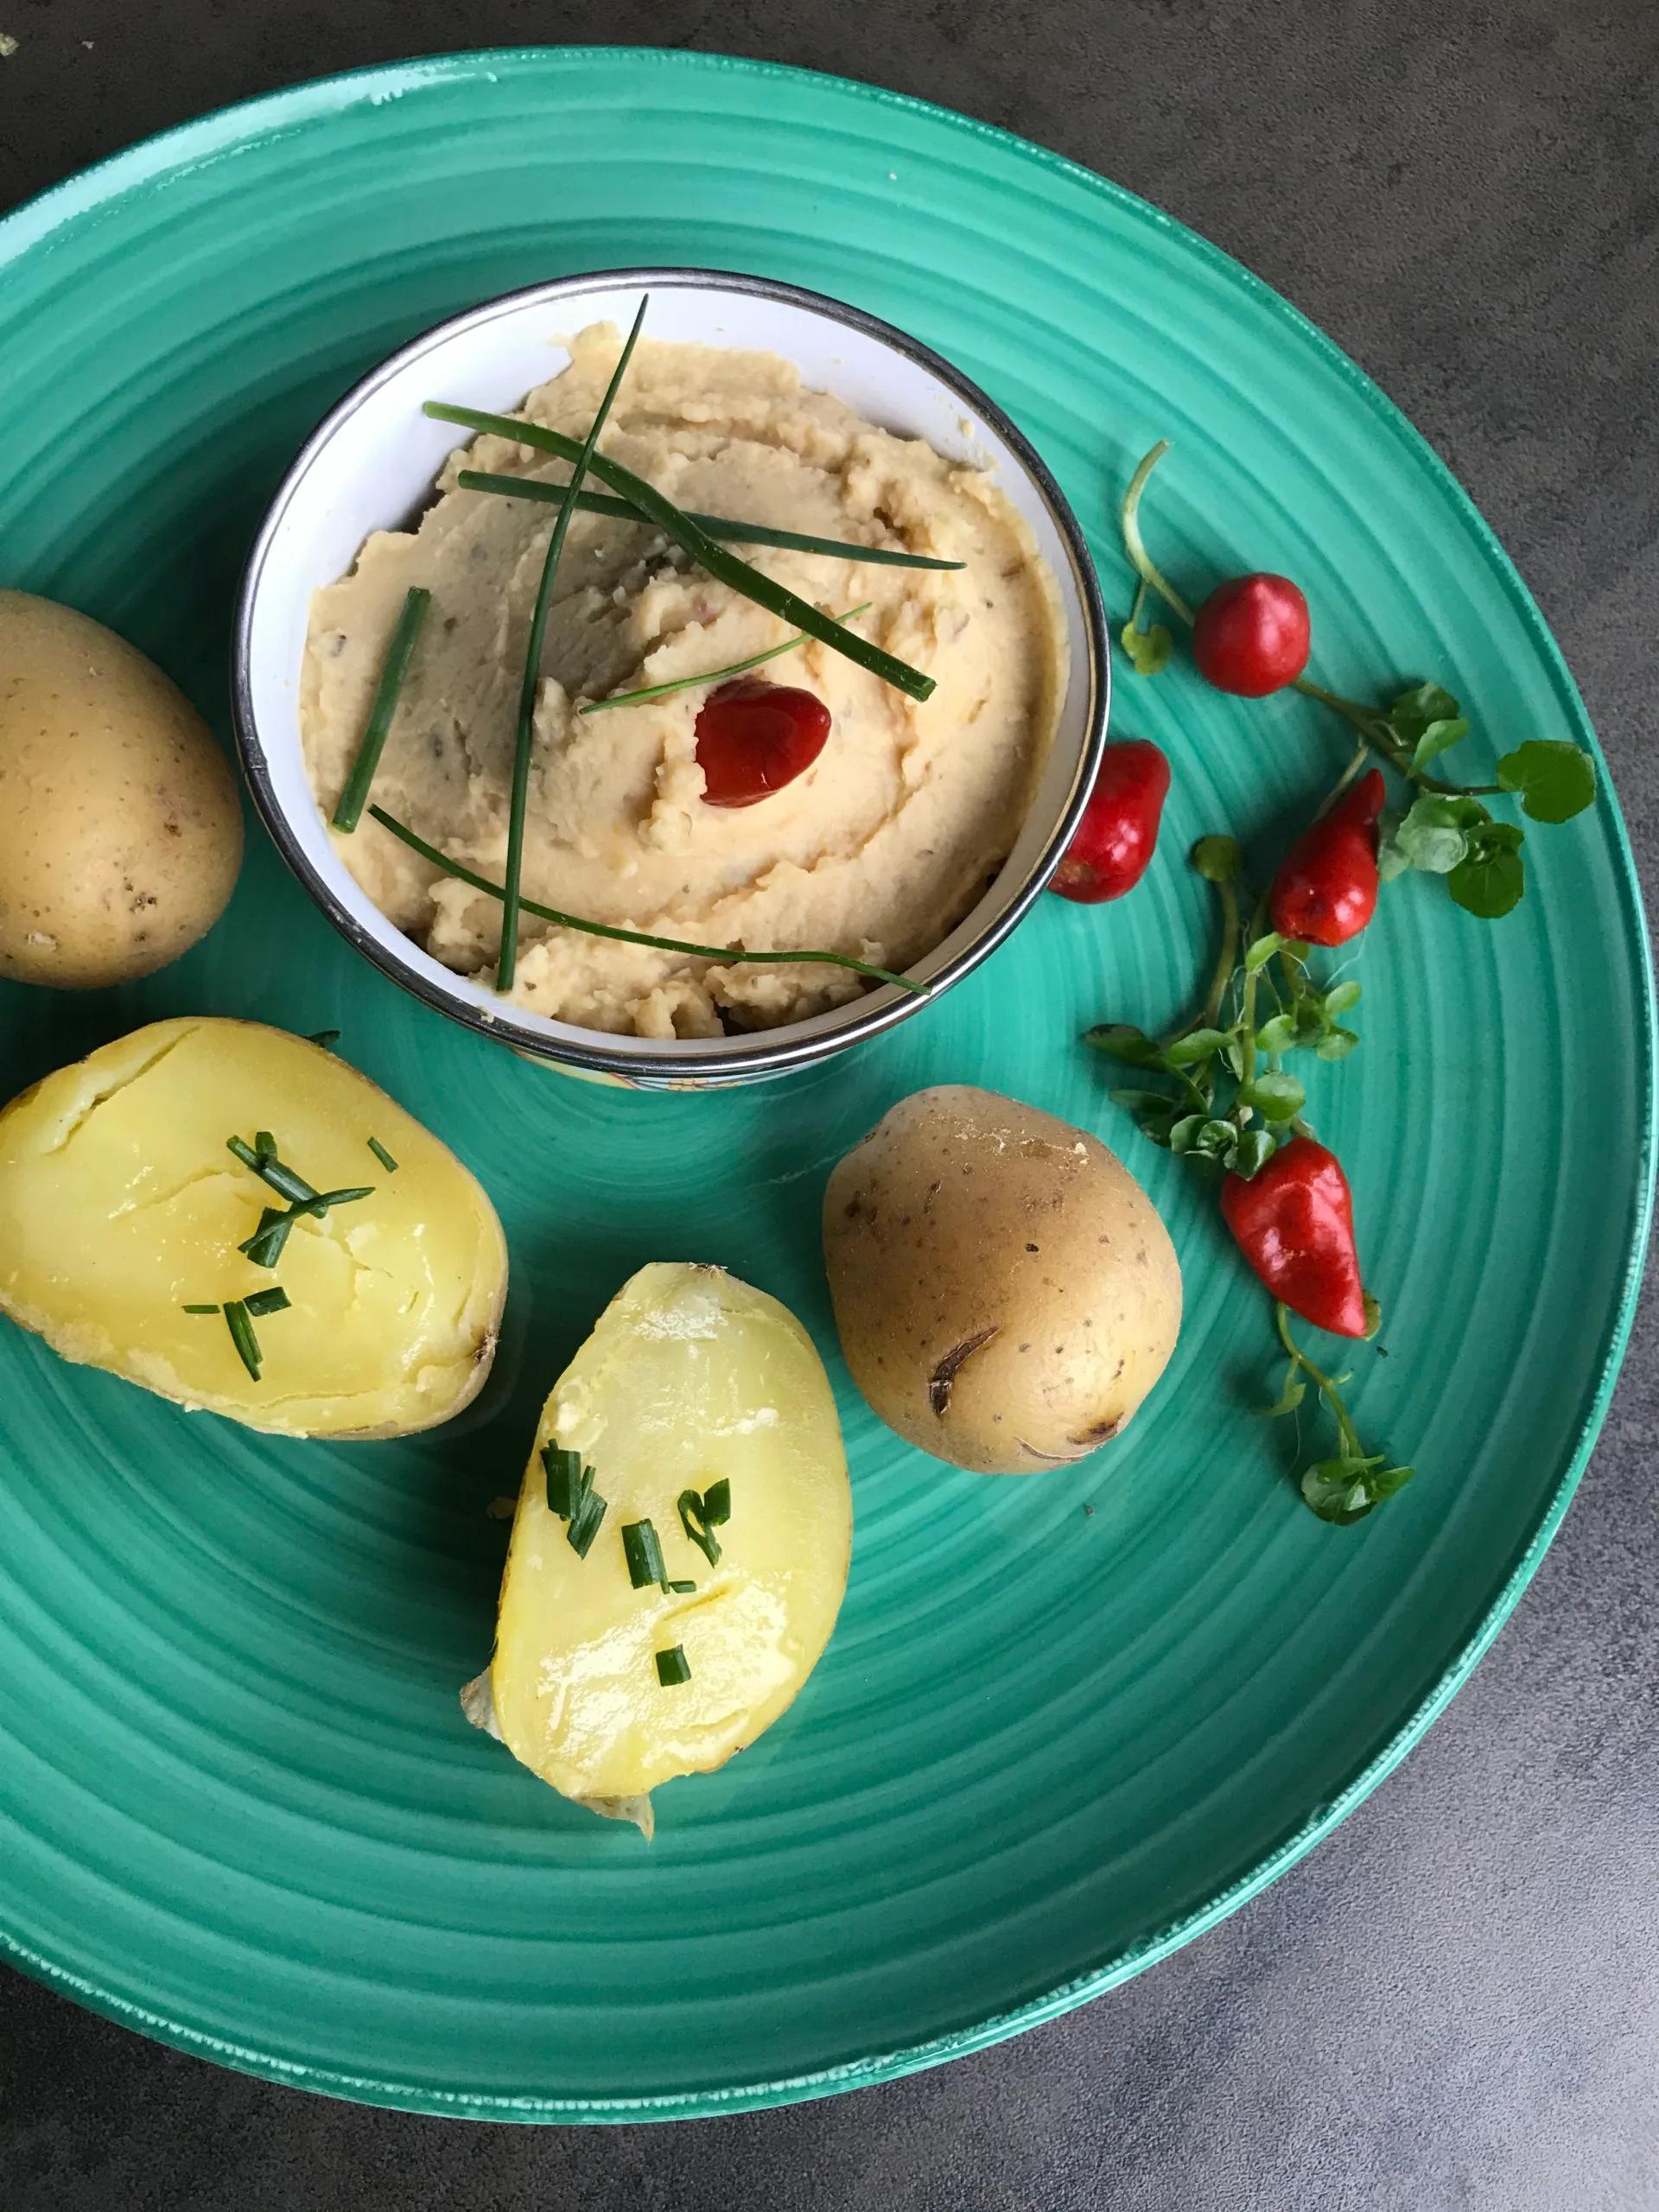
1065 1724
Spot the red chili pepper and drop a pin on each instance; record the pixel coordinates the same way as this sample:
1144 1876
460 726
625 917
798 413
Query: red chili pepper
1251 636
1294 1223
1115 838
1325 890
754 737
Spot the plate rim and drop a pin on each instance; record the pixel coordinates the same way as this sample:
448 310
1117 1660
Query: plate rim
32 222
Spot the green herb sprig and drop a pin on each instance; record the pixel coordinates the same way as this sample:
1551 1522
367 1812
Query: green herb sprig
1351 1484
731 954
713 675
1446 829
716 526
506 966
724 567
354 797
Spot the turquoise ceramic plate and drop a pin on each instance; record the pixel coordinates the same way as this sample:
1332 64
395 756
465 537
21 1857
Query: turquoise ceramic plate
1065 1723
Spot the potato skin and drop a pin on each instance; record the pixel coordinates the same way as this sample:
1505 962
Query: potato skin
120 1204
120 828
1005 1292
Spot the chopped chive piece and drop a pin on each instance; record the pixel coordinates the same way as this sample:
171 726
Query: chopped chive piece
700 1516
679 1585
507 963
326 1038
265 1144
382 1155
242 1336
269 1169
565 1482
724 567
266 1245
273 1301
584 1522
673 1667
349 812
201 1309
717 1502
734 954
643 1554
733 533
320 1202
714 675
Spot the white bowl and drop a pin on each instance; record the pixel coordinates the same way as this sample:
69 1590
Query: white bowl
371 465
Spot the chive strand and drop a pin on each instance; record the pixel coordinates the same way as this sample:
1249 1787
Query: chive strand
242 1336
716 526
352 799
507 963
201 1309
714 675
673 1667
732 955
725 567
273 1301
643 1554
382 1155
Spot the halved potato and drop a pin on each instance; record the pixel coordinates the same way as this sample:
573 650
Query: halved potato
690 1378
120 1206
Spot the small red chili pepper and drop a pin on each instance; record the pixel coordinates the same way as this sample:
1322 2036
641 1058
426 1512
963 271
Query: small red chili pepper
1325 890
1251 636
1115 838
754 737
1294 1223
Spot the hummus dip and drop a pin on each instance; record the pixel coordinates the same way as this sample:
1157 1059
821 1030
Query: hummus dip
878 850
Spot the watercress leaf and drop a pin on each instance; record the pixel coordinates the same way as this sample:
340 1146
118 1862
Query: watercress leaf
1218 1141
1184 1133
1254 1148
1339 1489
1196 1045
1136 1099
1258 955
1373 1315
1156 1127
1279 1098
1278 1034
1387 1480
1390 861
1413 713
1492 880
1336 1044
1341 996
1217 859
1556 780
1123 1041
1287 1401
1233 1058
1438 738
1295 948
1148 650
1435 835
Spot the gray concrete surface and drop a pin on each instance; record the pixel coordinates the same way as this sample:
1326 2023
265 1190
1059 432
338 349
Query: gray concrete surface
1455 2002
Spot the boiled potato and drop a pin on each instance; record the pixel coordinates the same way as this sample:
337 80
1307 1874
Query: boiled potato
1005 1293
120 1206
690 1379
120 833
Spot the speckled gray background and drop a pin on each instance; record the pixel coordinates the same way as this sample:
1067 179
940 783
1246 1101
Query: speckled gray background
1455 2002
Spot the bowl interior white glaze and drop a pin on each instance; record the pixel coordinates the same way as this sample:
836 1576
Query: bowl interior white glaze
371 465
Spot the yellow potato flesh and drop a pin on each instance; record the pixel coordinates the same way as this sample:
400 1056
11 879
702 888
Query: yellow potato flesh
690 1376
119 1205
120 828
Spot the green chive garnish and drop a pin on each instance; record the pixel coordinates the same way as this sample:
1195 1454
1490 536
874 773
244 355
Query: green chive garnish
733 533
643 1553
673 1667
507 964
584 1521
266 1245
242 1336
266 1165
731 953
201 1309
382 1155
724 567
326 1038
714 675
565 1482
265 1144
679 1585
273 1301
349 812
701 1516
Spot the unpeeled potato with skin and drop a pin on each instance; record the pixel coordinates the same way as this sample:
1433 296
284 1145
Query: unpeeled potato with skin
1004 1292
689 1377
120 830
120 1205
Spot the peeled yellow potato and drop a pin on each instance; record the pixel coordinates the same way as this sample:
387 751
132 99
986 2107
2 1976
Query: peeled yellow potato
689 1378
120 832
1004 1292
120 1205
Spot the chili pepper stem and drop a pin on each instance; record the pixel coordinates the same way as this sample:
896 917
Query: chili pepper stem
1145 567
